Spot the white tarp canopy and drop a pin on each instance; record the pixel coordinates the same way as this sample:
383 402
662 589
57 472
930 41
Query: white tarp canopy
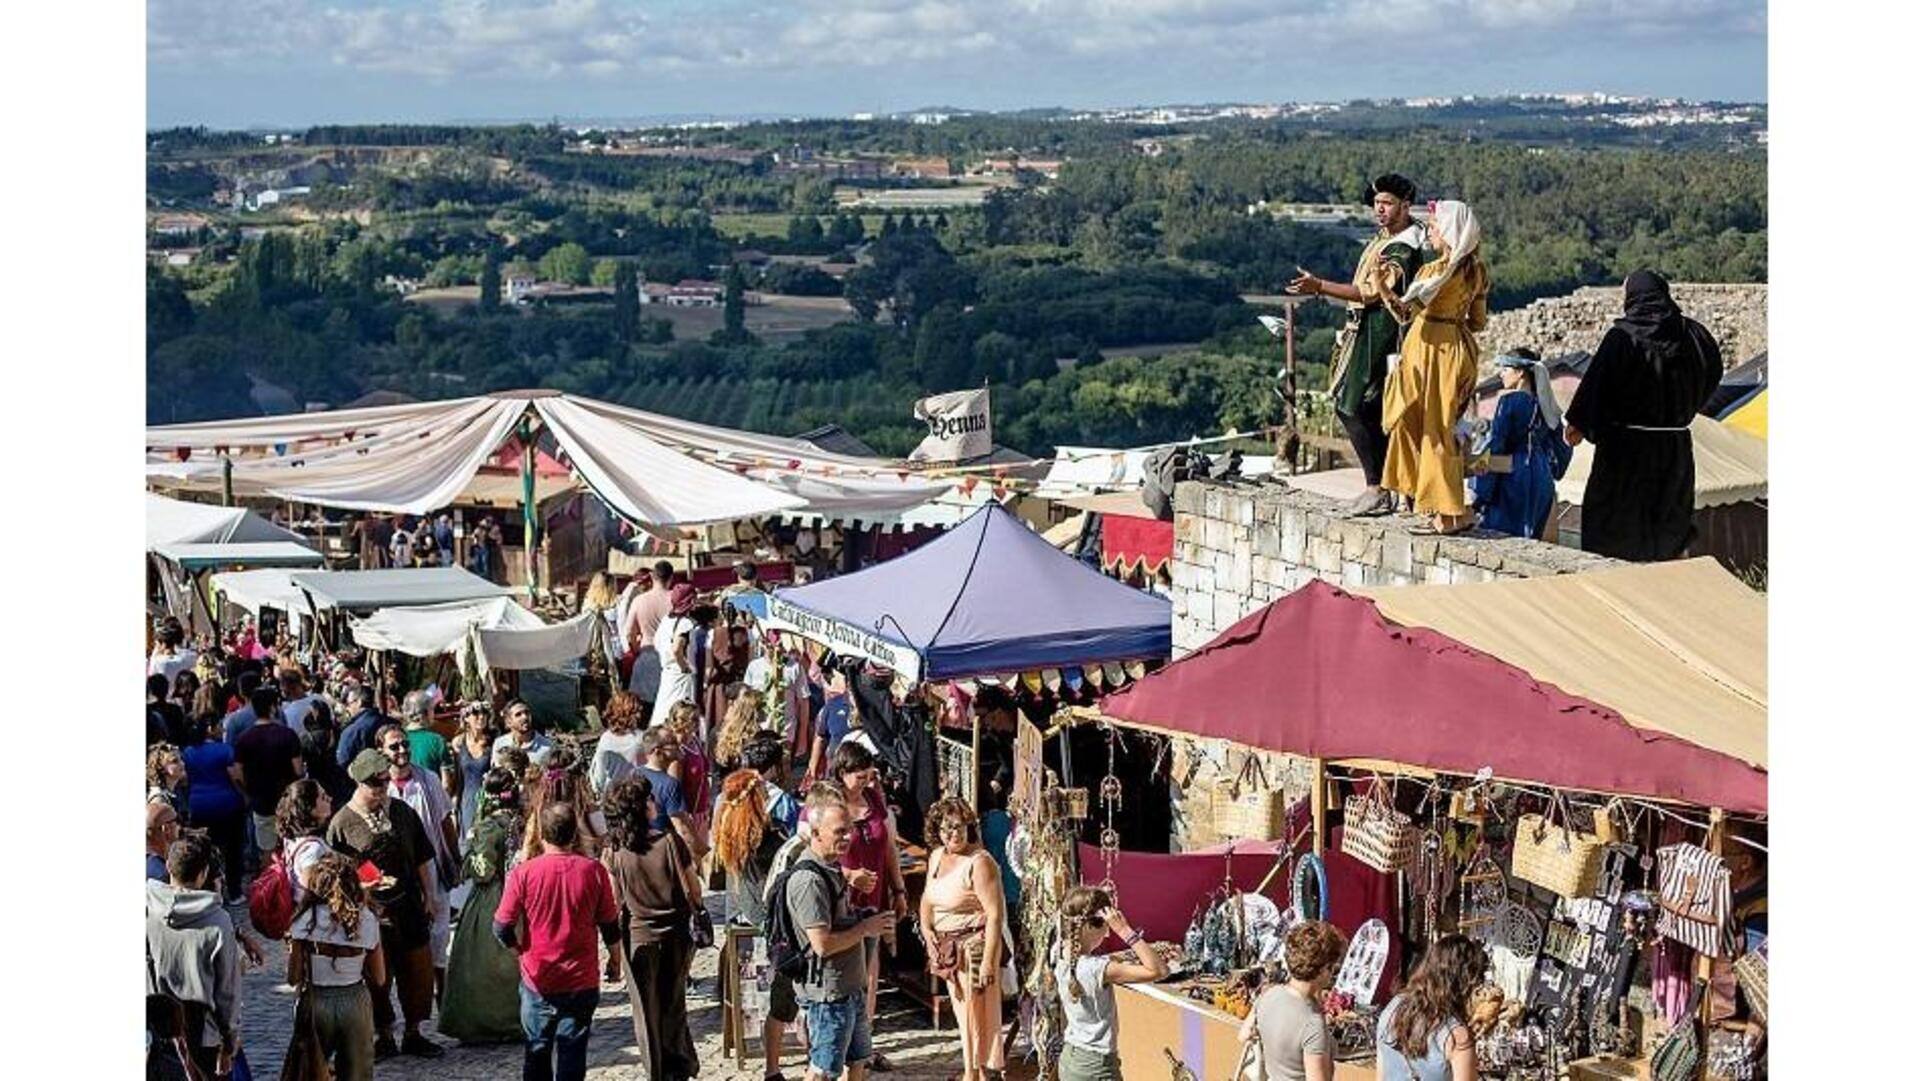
1729 466
430 629
420 457
500 633
254 590
177 521
198 557
395 587
1098 469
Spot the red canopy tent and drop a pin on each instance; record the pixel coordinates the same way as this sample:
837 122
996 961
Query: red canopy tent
1321 673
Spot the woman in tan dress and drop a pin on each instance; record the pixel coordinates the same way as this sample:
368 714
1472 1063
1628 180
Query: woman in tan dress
962 918
1440 361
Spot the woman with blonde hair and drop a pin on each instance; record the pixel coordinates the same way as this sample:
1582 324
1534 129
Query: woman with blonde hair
1422 1035
1428 393
691 766
742 723
1086 980
1286 1018
963 918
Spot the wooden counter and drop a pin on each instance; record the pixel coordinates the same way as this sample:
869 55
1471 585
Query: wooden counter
1151 1020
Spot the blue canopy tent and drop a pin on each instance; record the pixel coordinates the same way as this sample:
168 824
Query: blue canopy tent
989 597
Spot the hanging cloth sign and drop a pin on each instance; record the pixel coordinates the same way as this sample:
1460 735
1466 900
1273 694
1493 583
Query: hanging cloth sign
842 637
959 426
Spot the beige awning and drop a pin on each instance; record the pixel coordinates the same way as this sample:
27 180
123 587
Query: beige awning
1729 466
1128 504
1063 534
1679 648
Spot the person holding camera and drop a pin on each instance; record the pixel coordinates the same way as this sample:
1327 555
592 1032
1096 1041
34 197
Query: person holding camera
833 996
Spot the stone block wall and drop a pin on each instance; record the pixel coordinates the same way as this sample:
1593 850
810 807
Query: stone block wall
1238 545
1735 314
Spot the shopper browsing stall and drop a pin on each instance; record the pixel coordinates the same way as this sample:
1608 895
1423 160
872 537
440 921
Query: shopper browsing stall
963 918
1286 1018
1086 981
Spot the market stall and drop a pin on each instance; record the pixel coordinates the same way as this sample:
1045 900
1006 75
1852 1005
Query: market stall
186 541
1571 770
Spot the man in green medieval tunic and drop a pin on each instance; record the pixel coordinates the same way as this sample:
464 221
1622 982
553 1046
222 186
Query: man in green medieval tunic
1361 348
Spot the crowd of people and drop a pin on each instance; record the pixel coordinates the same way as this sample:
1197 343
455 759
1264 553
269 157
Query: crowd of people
481 888
1407 361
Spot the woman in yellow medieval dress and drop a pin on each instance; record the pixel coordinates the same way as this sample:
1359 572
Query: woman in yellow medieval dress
1428 393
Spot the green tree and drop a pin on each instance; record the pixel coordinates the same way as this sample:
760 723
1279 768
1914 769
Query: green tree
626 302
803 231
605 271
733 327
490 282
568 263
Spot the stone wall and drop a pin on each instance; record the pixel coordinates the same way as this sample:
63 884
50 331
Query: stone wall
1736 314
1238 545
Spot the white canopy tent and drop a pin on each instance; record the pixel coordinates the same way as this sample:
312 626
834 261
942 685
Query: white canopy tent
420 457
498 633
200 557
1078 470
179 522
394 587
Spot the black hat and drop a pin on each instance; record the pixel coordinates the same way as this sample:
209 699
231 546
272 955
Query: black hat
1391 184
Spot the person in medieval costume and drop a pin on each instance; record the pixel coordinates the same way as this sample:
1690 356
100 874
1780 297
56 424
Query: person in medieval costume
1653 372
1370 335
1425 397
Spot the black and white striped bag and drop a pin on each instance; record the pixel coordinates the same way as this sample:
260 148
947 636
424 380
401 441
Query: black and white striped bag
1696 896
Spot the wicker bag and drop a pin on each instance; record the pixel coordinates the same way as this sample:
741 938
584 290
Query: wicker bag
1249 807
1551 855
1751 972
1376 834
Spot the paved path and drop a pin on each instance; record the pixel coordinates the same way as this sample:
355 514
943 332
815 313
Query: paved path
904 1035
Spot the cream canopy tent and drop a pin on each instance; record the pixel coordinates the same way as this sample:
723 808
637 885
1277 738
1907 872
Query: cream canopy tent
498 632
1678 648
1729 466
178 522
419 457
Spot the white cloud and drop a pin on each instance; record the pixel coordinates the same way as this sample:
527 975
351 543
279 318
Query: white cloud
452 40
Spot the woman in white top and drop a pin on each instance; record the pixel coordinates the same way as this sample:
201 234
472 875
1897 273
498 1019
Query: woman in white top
336 951
1286 1018
1086 981
171 654
674 643
617 754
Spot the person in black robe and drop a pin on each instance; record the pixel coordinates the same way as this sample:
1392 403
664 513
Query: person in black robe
1655 369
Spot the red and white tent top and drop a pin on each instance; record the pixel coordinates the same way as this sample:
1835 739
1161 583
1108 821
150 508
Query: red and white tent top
1644 680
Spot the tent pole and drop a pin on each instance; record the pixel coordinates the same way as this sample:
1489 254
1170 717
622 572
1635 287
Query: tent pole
974 765
1716 843
226 480
529 511
1319 804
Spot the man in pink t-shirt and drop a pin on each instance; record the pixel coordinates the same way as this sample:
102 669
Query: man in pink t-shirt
552 906
644 617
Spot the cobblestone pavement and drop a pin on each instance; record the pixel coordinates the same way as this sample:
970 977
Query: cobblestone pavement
904 1034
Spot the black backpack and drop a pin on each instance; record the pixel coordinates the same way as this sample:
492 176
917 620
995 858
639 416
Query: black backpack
787 948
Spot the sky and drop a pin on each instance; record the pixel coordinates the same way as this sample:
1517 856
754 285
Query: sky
289 63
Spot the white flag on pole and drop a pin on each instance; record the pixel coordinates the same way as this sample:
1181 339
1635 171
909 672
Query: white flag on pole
959 426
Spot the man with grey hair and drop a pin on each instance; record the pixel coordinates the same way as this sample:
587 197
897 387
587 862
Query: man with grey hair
429 747
422 791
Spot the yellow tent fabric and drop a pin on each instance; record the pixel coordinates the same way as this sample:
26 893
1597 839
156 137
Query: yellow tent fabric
1729 467
1679 648
1750 418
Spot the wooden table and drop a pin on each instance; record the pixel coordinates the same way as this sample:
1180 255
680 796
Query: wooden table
1151 1021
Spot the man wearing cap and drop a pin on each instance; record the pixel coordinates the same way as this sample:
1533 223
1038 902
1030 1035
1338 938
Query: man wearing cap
1370 335
387 833
419 789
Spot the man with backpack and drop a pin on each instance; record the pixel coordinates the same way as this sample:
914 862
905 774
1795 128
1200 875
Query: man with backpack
814 937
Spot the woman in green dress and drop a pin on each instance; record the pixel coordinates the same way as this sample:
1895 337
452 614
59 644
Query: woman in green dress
482 1003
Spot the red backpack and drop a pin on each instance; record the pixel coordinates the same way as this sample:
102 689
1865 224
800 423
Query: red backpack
270 897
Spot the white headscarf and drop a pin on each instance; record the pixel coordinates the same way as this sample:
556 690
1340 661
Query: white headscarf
1539 381
1453 222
